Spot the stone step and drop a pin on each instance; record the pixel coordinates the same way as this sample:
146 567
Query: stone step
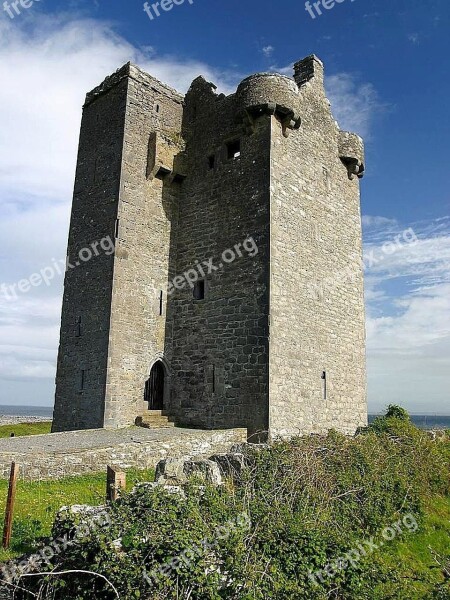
154 419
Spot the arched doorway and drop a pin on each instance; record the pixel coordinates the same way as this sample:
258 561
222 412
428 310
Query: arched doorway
154 387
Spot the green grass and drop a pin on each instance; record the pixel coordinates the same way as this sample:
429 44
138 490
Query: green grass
415 552
38 502
23 429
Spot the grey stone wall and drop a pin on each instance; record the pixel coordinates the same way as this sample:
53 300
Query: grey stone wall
148 212
219 356
317 299
47 456
88 286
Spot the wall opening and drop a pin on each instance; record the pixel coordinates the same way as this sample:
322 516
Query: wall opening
211 161
199 290
155 386
234 149
162 173
78 327
82 380
324 380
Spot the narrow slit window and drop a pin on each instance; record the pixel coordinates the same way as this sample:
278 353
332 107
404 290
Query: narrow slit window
214 379
161 304
82 379
212 161
78 327
199 290
116 229
234 149
157 108
324 379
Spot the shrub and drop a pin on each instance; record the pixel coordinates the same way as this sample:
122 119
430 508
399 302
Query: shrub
310 501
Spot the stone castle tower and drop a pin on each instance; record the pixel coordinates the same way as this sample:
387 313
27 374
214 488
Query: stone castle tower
234 293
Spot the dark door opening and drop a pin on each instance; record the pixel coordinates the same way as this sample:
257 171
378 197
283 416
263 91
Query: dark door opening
154 387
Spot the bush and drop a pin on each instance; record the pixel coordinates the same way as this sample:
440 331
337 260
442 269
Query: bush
310 501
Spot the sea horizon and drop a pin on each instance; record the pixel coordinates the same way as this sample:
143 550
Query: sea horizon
431 420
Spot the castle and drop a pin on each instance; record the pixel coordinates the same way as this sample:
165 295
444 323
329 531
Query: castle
234 295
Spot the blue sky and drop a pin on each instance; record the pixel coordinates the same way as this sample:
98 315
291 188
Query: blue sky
387 66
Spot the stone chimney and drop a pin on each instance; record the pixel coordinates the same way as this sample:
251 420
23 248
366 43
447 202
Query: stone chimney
309 69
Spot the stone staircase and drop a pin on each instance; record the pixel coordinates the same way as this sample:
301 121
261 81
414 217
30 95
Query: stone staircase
154 419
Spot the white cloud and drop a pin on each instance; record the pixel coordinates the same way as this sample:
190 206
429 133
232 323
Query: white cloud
377 221
355 104
268 51
408 316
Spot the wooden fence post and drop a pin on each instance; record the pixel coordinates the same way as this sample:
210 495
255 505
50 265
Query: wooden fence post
115 481
9 513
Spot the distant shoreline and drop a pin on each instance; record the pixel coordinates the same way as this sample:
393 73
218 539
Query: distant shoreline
11 415
15 420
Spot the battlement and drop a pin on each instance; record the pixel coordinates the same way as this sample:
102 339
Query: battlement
129 70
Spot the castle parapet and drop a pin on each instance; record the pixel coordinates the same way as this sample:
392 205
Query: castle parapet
351 152
269 93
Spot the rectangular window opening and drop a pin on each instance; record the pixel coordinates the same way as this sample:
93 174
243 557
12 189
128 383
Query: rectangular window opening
234 149
178 178
211 161
78 327
199 290
116 229
214 379
161 304
324 379
162 173
82 379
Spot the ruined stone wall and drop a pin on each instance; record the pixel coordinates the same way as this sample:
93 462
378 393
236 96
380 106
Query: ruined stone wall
317 305
220 347
147 215
49 459
87 295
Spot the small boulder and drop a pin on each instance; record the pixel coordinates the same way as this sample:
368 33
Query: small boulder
177 471
231 464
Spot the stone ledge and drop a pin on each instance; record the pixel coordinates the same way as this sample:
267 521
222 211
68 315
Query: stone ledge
54 456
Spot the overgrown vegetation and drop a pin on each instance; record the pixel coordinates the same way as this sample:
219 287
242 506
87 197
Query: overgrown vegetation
310 501
38 502
23 429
